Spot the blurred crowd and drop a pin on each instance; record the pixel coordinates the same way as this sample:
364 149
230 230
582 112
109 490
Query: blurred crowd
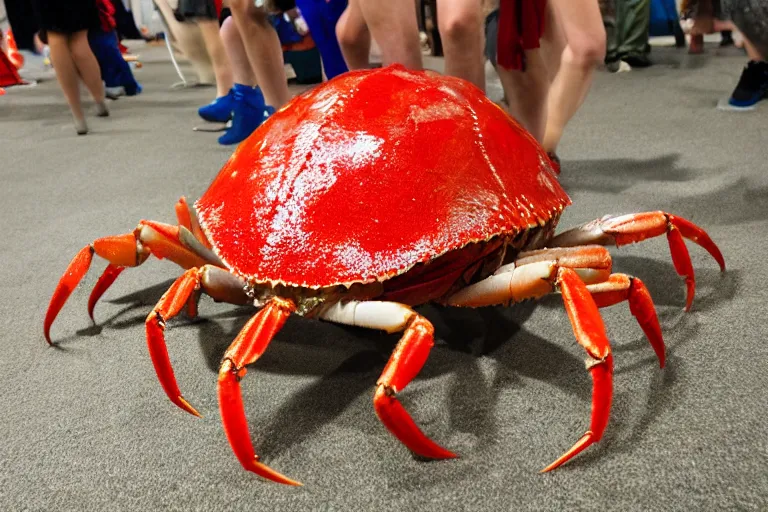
544 51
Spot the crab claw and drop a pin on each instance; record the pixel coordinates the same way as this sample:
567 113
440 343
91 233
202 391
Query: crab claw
397 420
621 287
697 235
246 349
77 268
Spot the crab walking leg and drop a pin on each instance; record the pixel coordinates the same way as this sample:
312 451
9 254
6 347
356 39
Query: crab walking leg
246 349
216 282
405 363
590 333
538 279
529 277
635 227
128 250
593 265
620 288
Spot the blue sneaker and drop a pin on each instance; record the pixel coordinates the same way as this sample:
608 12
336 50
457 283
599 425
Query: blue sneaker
752 86
249 112
220 109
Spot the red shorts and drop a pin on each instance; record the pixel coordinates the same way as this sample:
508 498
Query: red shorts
521 25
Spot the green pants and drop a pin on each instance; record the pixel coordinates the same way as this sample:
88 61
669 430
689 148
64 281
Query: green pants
626 26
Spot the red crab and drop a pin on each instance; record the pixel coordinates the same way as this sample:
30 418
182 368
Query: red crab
375 192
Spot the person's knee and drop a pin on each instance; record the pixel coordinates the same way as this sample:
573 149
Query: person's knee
588 51
228 31
80 49
349 36
461 28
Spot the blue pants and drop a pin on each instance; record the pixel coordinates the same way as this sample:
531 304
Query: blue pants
114 70
321 17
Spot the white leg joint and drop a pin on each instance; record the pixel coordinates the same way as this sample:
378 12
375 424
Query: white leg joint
386 316
526 282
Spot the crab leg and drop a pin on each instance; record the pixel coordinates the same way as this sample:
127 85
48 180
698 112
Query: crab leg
535 280
529 277
219 284
405 363
246 349
620 288
627 229
128 250
590 333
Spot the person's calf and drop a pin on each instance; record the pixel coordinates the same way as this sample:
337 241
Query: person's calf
527 92
242 73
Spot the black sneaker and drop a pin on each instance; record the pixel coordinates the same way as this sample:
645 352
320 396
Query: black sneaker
752 86
638 60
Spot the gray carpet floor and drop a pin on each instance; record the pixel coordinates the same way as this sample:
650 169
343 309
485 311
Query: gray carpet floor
86 426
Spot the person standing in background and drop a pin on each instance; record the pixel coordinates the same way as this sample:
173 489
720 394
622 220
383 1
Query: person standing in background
750 17
65 26
627 24
392 24
547 52
205 14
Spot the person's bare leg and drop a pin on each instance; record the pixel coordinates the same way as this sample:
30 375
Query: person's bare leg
582 26
460 23
221 67
354 37
66 72
552 44
527 93
393 25
263 49
87 65
242 73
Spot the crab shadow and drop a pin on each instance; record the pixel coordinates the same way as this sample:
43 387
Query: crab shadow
747 201
347 362
667 288
747 198
613 175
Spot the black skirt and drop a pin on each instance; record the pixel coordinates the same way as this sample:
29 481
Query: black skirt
188 10
67 16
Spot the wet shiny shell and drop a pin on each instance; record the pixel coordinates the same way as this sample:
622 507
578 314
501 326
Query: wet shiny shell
371 173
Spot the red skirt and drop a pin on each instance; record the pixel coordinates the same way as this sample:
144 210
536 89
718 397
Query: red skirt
521 25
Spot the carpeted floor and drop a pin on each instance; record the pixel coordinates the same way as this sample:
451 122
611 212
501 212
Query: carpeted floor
86 426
